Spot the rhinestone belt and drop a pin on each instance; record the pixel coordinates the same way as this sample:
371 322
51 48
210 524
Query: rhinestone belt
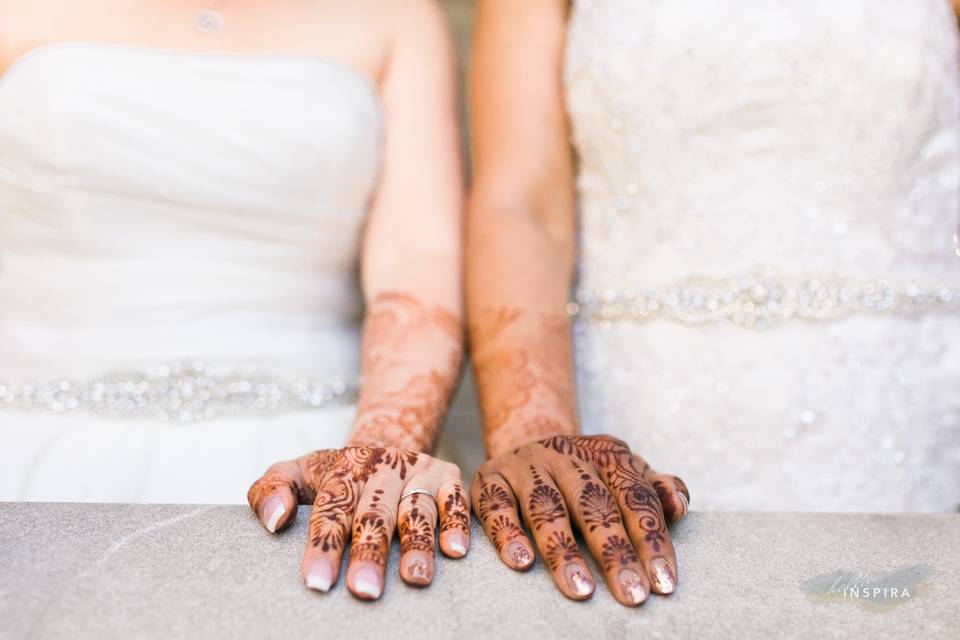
765 298
179 393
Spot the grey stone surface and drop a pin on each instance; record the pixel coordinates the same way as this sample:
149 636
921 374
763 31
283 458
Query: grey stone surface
167 571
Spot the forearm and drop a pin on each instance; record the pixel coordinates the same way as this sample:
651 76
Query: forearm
519 276
412 352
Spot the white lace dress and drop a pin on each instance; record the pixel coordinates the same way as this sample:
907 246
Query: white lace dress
769 290
179 236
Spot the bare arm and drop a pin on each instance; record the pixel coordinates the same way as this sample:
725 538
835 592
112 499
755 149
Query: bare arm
412 346
411 270
521 224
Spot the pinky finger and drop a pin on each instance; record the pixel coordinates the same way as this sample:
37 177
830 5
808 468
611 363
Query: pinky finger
454 518
673 493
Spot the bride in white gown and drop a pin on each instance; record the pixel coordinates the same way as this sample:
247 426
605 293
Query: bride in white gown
767 299
182 211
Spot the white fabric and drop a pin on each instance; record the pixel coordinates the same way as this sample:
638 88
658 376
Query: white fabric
807 136
158 206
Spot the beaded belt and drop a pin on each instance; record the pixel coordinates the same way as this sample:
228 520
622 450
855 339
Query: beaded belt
179 393
764 298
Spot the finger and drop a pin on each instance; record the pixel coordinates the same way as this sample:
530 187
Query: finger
416 518
454 514
273 496
673 494
644 519
546 513
329 531
497 510
373 527
597 515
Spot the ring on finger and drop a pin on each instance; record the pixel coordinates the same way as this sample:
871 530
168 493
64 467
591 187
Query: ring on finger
412 492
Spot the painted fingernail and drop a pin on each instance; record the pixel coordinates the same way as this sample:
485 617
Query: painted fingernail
683 498
418 566
519 554
631 584
366 581
663 577
457 543
580 582
320 575
273 510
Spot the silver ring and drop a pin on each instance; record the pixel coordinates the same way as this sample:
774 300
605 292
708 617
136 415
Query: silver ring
412 492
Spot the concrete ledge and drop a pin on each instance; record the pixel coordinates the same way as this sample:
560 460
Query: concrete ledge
165 571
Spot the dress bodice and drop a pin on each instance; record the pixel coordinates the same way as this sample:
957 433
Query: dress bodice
716 138
769 289
158 205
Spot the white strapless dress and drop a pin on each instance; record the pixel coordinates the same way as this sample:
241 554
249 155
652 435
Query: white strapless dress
769 291
179 237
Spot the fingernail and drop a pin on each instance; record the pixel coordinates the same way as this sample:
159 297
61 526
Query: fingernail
273 510
580 583
366 581
631 584
519 554
663 577
457 543
683 498
418 566
320 575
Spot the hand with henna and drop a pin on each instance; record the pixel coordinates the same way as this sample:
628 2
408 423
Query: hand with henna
360 495
620 505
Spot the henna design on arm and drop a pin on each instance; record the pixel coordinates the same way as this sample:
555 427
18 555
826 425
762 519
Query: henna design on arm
411 363
524 372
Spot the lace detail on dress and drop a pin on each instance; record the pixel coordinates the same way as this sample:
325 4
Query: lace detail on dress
723 142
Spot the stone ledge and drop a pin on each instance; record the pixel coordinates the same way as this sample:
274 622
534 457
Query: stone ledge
162 571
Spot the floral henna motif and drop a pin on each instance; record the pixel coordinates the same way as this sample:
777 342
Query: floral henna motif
561 548
370 539
617 552
493 499
455 513
416 532
639 497
545 504
503 529
332 511
524 375
602 451
598 506
411 363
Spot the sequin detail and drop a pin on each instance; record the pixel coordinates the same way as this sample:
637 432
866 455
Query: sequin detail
766 297
187 392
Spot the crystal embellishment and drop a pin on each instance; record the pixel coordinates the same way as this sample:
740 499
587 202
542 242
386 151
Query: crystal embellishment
188 392
764 298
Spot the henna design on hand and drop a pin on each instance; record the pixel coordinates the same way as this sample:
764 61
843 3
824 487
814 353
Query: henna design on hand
617 551
561 548
455 512
493 498
504 530
598 506
411 363
545 504
416 532
370 535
